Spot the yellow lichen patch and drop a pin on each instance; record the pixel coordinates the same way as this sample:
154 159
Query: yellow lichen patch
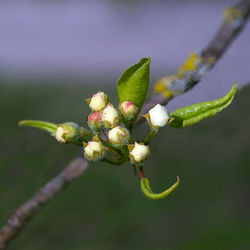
190 64
163 86
159 87
168 93
231 14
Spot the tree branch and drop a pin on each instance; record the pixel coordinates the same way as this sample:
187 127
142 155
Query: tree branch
25 212
234 20
168 87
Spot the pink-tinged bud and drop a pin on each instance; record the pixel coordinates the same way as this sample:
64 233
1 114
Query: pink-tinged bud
98 101
158 116
128 109
94 120
110 117
118 136
93 150
138 152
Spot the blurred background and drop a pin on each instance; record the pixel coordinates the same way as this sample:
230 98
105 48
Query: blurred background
54 54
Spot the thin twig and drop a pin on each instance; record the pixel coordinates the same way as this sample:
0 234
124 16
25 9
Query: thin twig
25 212
227 32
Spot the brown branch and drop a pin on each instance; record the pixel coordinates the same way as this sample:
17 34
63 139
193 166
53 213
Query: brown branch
227 32
25 212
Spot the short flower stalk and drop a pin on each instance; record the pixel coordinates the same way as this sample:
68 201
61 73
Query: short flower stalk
109 137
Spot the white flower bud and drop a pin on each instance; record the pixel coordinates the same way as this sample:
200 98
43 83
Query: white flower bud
158 116
94 120
110 117
128 109
67 132
138 152
118 136
98 101
59 135
93 150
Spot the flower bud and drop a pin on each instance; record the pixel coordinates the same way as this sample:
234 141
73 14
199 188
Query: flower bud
138 152
158 116
118 136
98 101
67 132
128 109
94 120
110 117
93 150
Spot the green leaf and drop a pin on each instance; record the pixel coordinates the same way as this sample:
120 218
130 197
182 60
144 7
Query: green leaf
146 189
133 84
193 114
47 126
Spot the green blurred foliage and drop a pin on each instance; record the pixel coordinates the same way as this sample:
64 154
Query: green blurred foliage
104 208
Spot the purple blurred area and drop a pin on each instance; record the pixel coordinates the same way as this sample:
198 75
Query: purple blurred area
99 39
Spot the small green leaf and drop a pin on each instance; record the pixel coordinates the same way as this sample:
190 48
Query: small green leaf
193 114
133 84
47 126
146 189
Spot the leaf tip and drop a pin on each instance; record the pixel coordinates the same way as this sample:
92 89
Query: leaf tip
21 123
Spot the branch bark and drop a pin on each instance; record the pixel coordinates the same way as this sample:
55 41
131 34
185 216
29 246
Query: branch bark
227 32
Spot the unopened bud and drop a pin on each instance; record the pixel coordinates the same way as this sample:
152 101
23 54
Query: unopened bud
118 136
138 152
110 117
93 150
158 116
98 101
67 132
94 120
128 109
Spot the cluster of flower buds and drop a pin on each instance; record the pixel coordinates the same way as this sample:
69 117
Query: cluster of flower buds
105 115
103 112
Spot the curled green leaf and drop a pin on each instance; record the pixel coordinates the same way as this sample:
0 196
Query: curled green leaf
146 189
46 126
193 114
133 84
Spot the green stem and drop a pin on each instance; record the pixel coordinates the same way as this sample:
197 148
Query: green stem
150 136
108 145
85 135
125 121
107 160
